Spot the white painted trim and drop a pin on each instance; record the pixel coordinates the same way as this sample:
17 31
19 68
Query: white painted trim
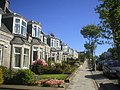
14 18
22 56
37 26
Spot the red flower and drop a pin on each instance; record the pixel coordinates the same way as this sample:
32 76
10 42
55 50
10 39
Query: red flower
54 82
40 62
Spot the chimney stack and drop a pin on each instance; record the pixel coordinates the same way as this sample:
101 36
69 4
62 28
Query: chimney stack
4 4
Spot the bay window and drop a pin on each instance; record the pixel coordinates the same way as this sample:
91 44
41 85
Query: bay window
17 56
21 57
20 26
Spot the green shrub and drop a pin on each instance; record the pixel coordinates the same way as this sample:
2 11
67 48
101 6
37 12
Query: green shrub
36 69
1 77
5 71
7 75
24 77
76 64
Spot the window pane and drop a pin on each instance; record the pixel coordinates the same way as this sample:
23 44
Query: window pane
26 51
35 29
26 58
17 60
35 55
17 28
17 20
23 30
39 31
41 53
17 50
24 23
33 33
17 56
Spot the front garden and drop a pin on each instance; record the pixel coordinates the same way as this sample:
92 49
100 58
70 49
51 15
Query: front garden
41 73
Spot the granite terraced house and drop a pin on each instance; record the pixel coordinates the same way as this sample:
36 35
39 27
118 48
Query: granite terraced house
22 41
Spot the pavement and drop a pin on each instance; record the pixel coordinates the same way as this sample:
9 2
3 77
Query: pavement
83 79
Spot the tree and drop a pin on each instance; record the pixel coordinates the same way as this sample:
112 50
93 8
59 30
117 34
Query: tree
92 34
81 56
113 52
109 11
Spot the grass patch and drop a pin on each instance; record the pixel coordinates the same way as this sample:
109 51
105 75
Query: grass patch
54 76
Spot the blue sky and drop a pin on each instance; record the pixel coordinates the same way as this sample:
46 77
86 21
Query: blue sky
64 18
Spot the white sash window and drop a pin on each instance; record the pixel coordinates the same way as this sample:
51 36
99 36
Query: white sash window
20 26
26 58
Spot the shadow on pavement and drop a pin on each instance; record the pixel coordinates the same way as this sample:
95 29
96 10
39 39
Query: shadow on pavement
95 76
103 86
109 86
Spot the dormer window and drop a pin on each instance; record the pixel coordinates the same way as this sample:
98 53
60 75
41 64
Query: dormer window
20 26
36 31
45 40
52 43
41 37
57 43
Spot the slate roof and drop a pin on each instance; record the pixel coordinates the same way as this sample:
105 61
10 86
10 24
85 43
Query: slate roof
1 11
4 29
33 22
55 50
14 15
20 40
36 41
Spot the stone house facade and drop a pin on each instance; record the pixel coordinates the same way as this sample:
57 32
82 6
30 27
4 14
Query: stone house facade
23 41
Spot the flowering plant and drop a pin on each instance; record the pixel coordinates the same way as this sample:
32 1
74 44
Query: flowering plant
38 65
40 62
51 82
54 82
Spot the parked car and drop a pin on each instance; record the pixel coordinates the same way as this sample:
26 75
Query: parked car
110 68
118 74
99 65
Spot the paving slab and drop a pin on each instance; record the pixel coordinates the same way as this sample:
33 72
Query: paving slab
82 79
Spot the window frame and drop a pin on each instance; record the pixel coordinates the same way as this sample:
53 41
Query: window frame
20 26
36 31
27 54
17 54
45 40
52 42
